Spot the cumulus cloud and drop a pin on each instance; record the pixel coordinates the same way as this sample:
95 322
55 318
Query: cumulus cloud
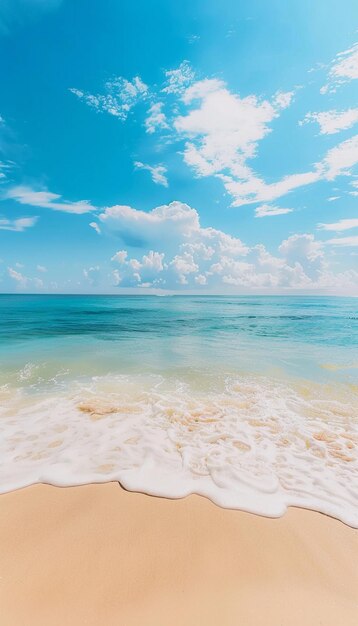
119 97
26 195
17 225
156 119
333 121
222 133
222 129
157 172
120 256
343 68
167 248
41 268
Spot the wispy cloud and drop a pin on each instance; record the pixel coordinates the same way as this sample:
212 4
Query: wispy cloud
119 97
157 172
343 224
17 225
346 242
340 159
46 199
343 68
95 227
331 122
156 119
179 79
266 210
92 275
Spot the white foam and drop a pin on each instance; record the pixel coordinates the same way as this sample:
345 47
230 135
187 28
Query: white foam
254 444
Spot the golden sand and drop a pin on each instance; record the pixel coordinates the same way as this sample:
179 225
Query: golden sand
99 556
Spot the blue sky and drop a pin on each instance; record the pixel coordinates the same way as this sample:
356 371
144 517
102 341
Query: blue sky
204 147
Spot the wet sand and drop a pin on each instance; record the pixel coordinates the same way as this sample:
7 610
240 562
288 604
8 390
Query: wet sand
97 555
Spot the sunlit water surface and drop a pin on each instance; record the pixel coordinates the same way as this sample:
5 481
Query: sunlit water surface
250 401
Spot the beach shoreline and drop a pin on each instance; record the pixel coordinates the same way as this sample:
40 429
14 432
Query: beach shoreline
96 554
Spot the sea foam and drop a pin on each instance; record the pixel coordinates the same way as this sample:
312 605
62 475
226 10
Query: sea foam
246 442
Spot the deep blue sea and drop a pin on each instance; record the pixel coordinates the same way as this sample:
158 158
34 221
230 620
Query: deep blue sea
251 401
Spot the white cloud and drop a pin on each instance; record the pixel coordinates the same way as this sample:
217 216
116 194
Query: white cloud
4 166
18 277
179 79
254 189
116 278
266 210
170 223
17 225
167 248
222 132
224 129
120 256
22 281
183 265
156 118
331 122
92 275
153 260
343 68
46 199
157 172
41 268
119 97
95 227
344 241
344 224
337 161
341 158
283 99
354 184
200 279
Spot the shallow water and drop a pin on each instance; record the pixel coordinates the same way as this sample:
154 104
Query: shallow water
251 401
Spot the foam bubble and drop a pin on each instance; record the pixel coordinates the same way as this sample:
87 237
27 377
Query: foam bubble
247 442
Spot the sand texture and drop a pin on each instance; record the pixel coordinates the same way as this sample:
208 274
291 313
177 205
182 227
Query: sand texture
99 556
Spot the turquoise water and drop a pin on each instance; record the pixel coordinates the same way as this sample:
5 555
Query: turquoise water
251 401
95 334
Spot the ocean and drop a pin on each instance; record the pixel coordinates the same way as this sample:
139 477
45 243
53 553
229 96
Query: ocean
249 401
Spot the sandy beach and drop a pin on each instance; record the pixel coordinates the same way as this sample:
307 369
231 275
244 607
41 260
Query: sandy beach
98 555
